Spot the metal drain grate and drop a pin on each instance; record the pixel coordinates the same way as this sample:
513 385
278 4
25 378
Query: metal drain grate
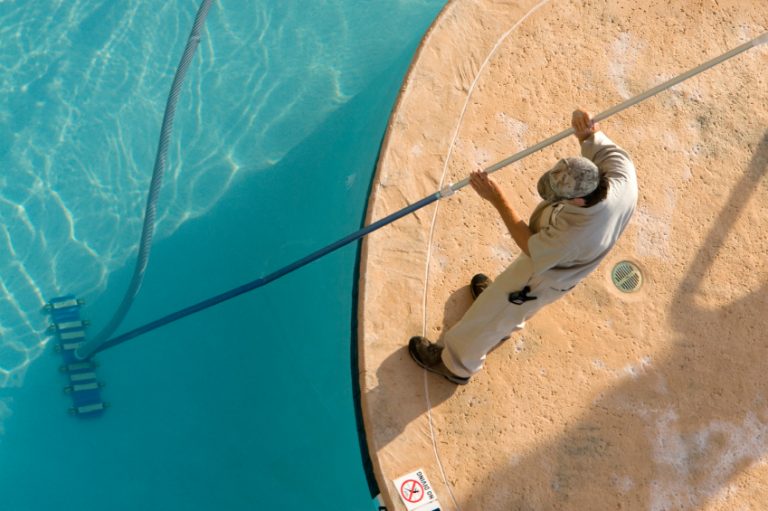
627 277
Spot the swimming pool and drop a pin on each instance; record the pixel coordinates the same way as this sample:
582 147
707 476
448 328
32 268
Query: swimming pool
245 406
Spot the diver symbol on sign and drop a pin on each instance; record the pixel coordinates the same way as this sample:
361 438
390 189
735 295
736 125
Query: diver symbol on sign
412 491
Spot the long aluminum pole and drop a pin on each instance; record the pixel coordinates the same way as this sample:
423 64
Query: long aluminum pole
618 108
445 192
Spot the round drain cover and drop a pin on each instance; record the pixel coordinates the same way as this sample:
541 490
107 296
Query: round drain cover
627 277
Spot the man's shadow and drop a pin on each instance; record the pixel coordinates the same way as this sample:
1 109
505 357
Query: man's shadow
403 393
676 435
455 306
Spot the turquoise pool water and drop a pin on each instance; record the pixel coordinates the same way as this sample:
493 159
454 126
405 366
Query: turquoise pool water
246 406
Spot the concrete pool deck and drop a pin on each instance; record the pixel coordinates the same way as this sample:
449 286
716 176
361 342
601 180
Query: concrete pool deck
652 400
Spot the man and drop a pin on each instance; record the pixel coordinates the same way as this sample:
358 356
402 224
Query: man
587 204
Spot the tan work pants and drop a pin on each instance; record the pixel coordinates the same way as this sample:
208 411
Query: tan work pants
492 317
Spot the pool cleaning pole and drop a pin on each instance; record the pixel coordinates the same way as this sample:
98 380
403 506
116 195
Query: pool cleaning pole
445 192
622 106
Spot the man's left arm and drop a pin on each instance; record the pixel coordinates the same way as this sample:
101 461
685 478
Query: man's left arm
489 190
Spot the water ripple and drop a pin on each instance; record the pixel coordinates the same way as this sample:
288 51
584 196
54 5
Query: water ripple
83 85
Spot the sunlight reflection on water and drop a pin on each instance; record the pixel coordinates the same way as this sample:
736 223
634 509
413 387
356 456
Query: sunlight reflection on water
82 94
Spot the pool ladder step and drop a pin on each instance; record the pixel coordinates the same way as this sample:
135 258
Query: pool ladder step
69 328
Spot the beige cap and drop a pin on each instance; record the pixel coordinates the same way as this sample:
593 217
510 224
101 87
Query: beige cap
568 179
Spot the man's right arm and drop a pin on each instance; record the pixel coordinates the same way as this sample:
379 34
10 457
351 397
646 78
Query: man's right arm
611 159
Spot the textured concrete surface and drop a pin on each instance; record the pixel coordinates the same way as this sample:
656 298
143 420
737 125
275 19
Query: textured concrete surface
656 400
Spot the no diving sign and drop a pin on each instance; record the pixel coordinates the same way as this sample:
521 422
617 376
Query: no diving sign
415 491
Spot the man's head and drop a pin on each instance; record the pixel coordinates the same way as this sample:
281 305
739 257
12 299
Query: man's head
568 179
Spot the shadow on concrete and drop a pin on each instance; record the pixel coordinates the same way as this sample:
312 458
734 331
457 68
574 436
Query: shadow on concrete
678 434
390 375
455 307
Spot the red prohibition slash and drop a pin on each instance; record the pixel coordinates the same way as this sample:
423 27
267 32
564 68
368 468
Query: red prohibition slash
412 490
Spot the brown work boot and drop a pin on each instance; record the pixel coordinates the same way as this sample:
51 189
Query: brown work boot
427 355
478 285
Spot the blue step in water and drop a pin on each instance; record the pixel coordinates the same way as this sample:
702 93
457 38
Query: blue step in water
82 384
